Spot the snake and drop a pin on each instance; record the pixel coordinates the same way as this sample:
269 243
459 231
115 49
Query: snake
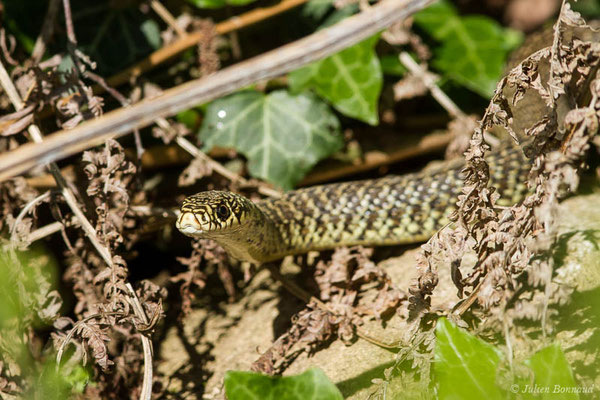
393 210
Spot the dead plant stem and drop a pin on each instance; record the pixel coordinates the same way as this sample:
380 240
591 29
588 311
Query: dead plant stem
220 169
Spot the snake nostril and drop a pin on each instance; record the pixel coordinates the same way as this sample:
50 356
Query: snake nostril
188 220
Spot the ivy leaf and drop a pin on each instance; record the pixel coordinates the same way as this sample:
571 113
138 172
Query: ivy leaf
391 65
190 118
465 366
317 9
282 135
114 37
351 80
472 50
151 32
311 384
339 14
23 20
552 371
219 3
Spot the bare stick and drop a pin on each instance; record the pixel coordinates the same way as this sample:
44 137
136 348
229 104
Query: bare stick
69 22
124 102
437 93
214 165
5 49
53 227
47 30
166 16
220 169
113 92
46 230
269 65
26 209
146 344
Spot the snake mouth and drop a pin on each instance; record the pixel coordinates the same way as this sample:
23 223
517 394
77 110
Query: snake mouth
188 224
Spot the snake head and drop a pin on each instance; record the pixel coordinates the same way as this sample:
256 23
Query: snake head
211 213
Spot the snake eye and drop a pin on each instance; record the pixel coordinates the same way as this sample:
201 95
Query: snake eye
222 212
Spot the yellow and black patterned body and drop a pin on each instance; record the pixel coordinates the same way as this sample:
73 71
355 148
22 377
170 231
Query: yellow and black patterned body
387 211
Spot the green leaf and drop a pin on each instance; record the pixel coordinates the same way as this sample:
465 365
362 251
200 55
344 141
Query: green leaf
590 9
339 14
27 42
391 65
472 49
27 284
313 384
351 80
282 135
114 37
553 374
23 20
57 384
465 366
219 3
151 32
190 118
317 9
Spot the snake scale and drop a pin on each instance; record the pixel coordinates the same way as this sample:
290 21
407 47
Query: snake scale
386 211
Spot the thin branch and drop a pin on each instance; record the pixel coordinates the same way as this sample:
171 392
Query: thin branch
256 15
124 103
69 22
46 34
403 150
221 170
6 50
437 93
269 65
26 209
464 305
215 165
113 92
46 230
57 226
10 89
146 344
166 16
72 41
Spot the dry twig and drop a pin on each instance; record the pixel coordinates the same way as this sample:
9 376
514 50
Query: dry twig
437 93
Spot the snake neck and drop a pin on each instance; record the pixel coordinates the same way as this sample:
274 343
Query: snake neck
257 240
